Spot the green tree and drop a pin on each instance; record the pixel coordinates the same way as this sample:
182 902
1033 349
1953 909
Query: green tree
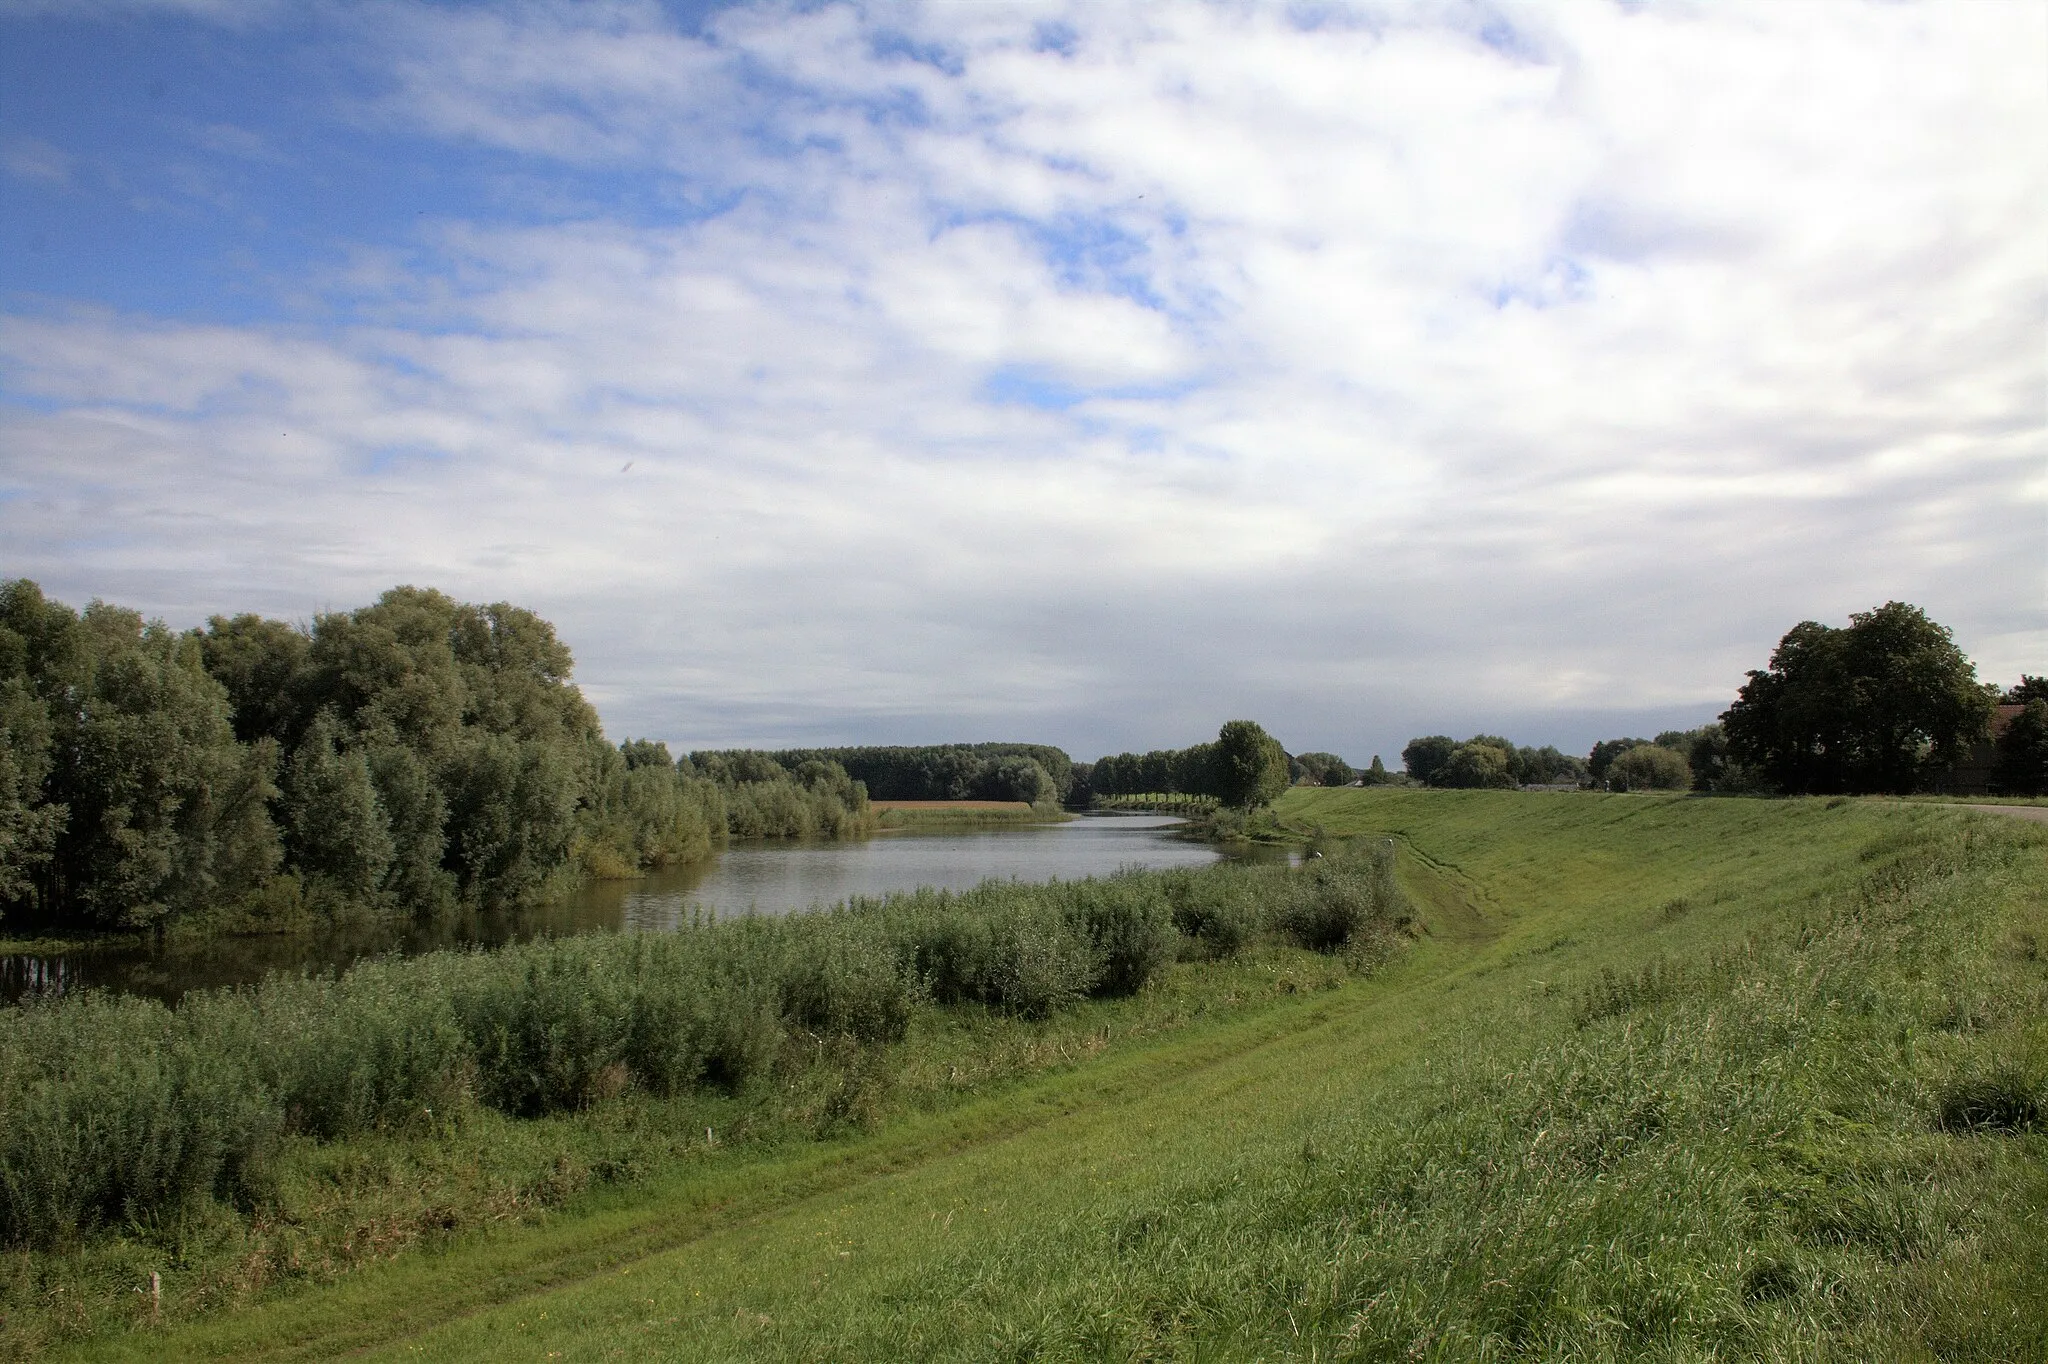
1424 757
261 664
1478 763
1541 766
335 824
1605 752
640 753
1376 775
1714 768
1017 778
38 642
1649 767
1868 708
1251 766
416 812
166 812
2022 768
511 816
1322 769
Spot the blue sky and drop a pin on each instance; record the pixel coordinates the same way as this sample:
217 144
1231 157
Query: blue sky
1082 373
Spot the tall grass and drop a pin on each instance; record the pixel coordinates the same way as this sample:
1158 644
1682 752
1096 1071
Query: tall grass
117 1110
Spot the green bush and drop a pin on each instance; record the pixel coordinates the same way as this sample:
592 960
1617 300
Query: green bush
841 976
548 1023
1333 902
1129 925
377 1047
114 1108
1220 910
1039 962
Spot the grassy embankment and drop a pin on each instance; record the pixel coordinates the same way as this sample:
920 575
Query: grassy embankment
1668 1078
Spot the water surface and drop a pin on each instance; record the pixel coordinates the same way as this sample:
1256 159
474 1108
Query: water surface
765 878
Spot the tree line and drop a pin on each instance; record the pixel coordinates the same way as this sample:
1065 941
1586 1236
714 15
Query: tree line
1037 774
419 752
1486 760
1243 767
1886 704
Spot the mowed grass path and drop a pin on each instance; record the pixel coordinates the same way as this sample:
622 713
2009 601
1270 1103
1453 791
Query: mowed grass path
1363 1172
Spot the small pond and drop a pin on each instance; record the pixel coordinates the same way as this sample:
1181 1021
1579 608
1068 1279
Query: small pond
766 878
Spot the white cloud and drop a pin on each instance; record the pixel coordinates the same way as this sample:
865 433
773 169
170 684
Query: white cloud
1369 377
31 158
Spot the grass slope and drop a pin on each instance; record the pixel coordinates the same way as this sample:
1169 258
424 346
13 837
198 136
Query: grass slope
1671 1079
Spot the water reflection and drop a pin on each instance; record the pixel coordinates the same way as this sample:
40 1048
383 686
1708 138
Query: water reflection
768 878
775 878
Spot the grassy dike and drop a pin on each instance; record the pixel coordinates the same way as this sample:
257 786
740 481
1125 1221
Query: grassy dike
1665 1078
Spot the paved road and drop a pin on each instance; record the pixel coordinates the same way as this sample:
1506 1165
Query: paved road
2037 813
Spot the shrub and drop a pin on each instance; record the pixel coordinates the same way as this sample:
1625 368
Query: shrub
374 1048
940 941
545 1021
116 1108
1334 901
1038 963
840 976
1216 909
112 1109
1129 929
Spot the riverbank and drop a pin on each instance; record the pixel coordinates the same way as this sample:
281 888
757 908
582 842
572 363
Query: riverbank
412 1100
898 815
766 877
1661 1076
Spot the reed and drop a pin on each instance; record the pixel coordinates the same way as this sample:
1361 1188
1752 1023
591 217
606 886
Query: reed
115 1109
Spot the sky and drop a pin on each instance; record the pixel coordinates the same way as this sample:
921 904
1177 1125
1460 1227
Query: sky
1087 374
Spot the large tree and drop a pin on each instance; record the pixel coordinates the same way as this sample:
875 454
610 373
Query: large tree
2023 750
1426 756
1250 766
1649 767
1864 709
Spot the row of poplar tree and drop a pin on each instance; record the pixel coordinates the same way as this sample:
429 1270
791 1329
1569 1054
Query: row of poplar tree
1244 766
420 752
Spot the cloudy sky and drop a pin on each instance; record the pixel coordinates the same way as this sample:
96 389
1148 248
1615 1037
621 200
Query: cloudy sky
1081 373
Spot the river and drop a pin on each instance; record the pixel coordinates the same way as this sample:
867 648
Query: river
766 878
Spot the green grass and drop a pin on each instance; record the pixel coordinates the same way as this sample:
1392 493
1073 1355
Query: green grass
1966 800
1665 1079
925 819
1180 803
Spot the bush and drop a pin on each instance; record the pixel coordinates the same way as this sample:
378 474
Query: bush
114 1108
1129 927
377 1047
701 1015
545 1022
1334 901
1216 909
841 977
1038 964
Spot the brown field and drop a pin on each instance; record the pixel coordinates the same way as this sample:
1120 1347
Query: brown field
1020 806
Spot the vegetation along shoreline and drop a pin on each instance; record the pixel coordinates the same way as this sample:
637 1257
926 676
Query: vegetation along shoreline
1483 1070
